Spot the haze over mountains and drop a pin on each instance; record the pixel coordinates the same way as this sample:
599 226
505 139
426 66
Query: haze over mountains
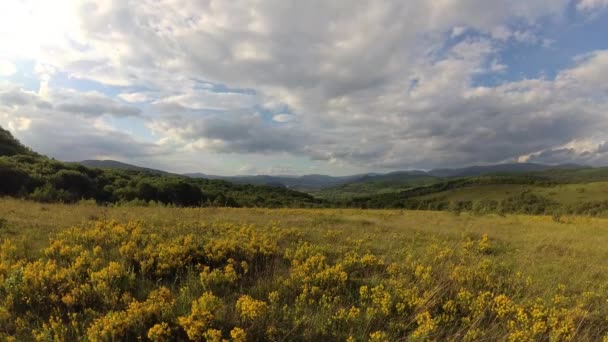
315 181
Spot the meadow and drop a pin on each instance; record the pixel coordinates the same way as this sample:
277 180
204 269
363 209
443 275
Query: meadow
128 273
564 194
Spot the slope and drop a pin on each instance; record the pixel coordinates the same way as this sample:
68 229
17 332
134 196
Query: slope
25 174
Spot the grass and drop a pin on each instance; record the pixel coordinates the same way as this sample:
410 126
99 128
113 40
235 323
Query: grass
554 252
572 252
562 193
372 187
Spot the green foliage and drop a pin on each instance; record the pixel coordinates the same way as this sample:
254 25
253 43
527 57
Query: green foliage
9 146
25 174
46 180
28 175
533 194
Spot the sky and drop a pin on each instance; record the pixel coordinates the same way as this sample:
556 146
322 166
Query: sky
301 87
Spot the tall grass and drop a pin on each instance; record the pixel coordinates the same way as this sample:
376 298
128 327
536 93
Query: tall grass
83 272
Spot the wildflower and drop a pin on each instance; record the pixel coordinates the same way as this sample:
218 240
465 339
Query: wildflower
378 336
203 313
426 325
159 332
238 335
249 308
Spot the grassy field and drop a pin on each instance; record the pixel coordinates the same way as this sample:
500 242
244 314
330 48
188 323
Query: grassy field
73 272
372 187
562 193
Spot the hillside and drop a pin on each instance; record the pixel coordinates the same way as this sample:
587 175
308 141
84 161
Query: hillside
574 191
395 182
28 175
301 183
377 184
116 165
509 168
9 146
344 187
519 188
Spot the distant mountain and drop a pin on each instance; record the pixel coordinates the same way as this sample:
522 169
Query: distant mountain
499 168
295 182
116 165
398 179
359 183
392 176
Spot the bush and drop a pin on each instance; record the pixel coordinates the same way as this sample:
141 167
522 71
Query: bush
110 281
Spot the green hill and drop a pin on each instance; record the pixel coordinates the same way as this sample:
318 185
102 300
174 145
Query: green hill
307 183
9 146
116 165
569 191
377 184
28 175
395 182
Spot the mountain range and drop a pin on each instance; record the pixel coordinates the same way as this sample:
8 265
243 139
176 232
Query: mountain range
314 182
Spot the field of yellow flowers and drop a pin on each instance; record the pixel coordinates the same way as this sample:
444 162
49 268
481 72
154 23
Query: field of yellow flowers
83 272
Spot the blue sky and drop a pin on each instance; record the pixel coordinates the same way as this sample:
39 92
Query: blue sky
285 87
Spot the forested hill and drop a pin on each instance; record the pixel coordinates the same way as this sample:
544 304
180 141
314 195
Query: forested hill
113 164
26 174
9 146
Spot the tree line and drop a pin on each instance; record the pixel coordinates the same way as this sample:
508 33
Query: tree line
46 180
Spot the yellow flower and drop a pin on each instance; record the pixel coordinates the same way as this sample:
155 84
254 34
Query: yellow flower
426 325
213 335
378 336
238 335
249 308
203 313
159 332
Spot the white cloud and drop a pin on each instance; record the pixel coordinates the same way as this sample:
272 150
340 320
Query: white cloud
7 68
589 74
283 118
501 33
366 86
207 99
458 31
134 97
19 124
588 5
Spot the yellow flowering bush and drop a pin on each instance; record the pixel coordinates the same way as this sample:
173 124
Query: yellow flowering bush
138 318
239 282
251 309
159 332
203 313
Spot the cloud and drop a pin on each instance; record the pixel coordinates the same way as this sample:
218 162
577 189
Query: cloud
458 31
134 97
7 68
590 73
232 134
200 99
283 118
92 104
585 152
368 88
70 125
589 5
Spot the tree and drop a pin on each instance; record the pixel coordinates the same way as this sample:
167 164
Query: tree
77 184
12 179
